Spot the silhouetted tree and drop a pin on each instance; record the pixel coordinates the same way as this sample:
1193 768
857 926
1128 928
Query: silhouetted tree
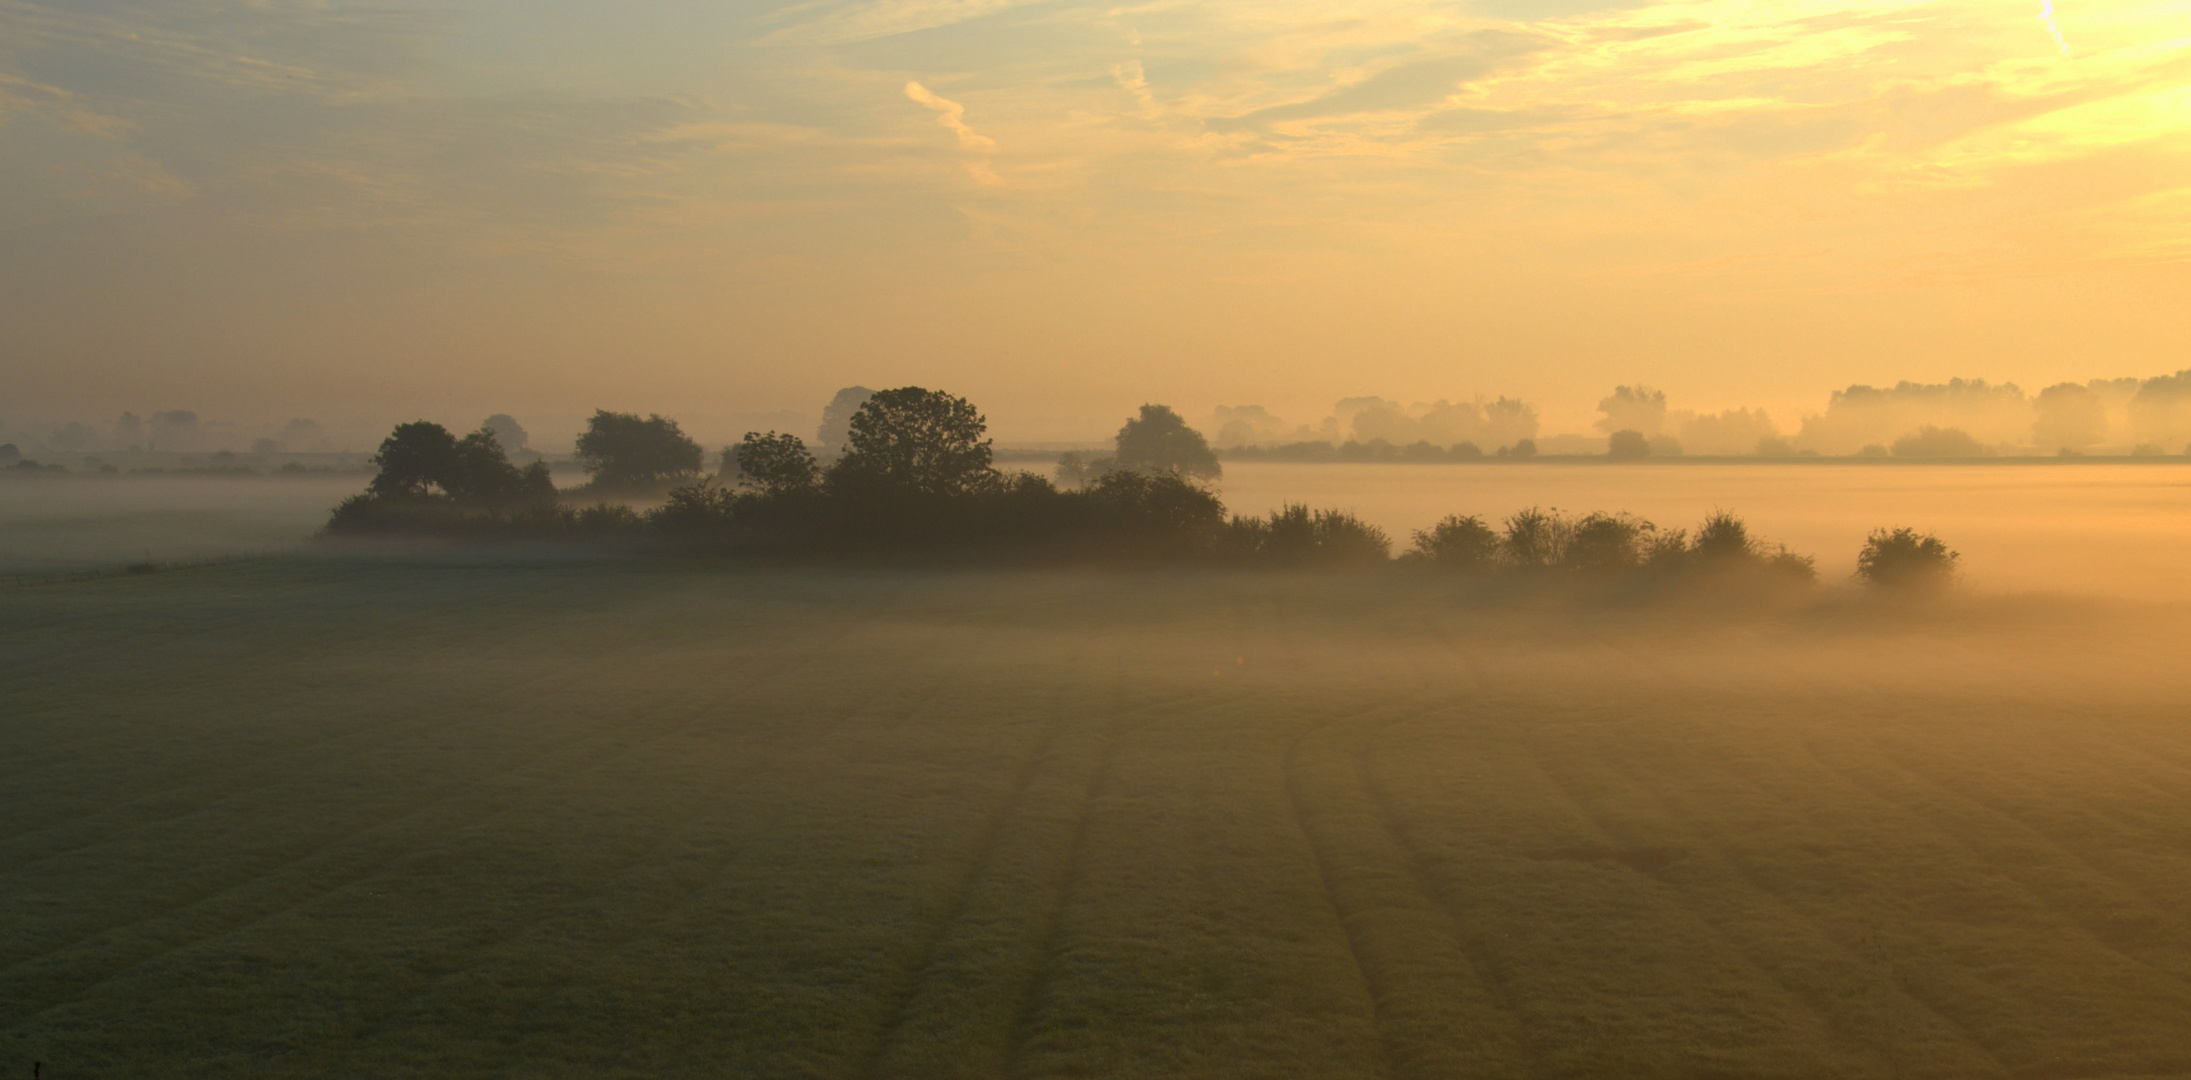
1904 558
1627 446
623 451
1295 535
836 429
506 430
1458 543
775 464
10 454
916 440
415 459
1603 543
1159 441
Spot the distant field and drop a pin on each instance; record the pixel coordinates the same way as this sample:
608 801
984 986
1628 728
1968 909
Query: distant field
557 818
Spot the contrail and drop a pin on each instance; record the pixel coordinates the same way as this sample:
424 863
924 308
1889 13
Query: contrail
2046 15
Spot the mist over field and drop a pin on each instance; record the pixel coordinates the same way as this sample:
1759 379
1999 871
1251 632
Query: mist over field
993 540
475 813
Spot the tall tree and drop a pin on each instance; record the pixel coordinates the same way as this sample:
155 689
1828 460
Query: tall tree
622 450
774 463
415 459
836 427
916 440
1159 441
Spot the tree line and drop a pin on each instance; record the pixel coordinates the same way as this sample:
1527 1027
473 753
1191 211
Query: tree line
914 478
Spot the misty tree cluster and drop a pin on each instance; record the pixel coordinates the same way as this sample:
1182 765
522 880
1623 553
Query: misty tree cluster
1537 541
912 477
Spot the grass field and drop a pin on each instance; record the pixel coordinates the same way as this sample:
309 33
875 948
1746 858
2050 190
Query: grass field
378 817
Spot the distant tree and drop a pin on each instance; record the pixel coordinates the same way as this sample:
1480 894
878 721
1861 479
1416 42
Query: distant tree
836 429
1075 469
2068 417
129 431
1938 442
266 447
1774 446
1521 450
480 474
1633 408
10 454
775 464
1159 441
1627 446
1458 543
1905 559
911 439
74 435
507 431
174 429
623 451
414 460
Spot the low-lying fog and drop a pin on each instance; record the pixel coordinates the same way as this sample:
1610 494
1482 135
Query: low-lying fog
2110 529
2105 529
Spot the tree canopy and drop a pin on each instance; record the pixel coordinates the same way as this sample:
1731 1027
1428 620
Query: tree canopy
421 460
622 450
1159 441
775 463
924 441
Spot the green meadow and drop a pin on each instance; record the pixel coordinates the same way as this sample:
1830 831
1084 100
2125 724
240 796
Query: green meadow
460 815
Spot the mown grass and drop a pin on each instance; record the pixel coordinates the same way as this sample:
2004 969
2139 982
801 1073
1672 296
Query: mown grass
565 818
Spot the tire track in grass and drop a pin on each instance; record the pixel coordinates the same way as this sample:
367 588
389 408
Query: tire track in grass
1508 1041
1353 893
961 947
1064 881
2033 887
2164 906
1831 1011
708 876
594 761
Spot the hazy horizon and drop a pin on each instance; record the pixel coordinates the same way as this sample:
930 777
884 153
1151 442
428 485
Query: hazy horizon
1064 210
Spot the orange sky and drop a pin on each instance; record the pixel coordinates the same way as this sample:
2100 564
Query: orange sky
363 211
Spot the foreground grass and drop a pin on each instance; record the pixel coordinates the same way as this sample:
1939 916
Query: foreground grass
307 818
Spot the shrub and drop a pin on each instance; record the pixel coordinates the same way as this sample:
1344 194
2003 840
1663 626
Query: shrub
1604 543
1627 446
1458 543
1938 442
1298 536
1535 539
1906 559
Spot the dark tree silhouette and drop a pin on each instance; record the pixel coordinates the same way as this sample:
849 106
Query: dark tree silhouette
1905 559
415 459
775 463
1159 441
1458 543
836 426
916 440
623 451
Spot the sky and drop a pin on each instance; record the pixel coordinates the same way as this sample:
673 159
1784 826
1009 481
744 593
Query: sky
442 208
